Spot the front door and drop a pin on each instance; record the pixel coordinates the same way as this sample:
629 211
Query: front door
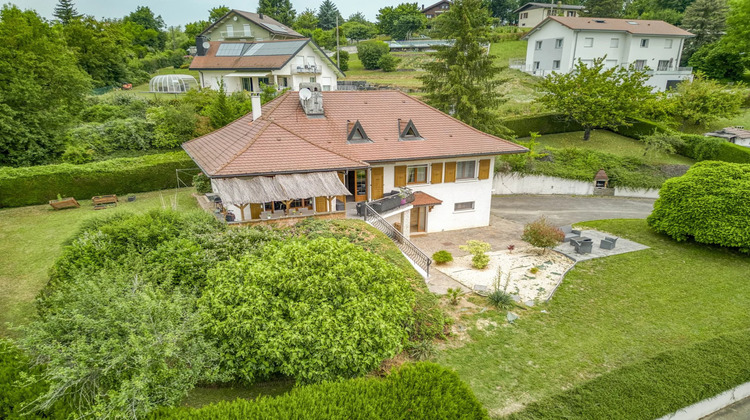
418 222
377 183
360 185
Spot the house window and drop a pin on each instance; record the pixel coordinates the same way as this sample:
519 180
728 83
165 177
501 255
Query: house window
588 42
536 65
416 174
313 79
524 15
663 65
246 30
571 13
644 43
600 183
556 65
263 81
445 6
614 43
539 45
668 44
466 169
558 43
283 82
230 31
640 64
247 84
465 206
305 202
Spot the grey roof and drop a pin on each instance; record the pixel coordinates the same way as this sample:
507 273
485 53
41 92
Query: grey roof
731 133
533 5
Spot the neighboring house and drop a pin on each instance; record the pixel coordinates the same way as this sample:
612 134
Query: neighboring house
238 25
308 153
532 14
431 12
423 45
244 66
736 135
556 45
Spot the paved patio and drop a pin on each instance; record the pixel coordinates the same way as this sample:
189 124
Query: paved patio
622 246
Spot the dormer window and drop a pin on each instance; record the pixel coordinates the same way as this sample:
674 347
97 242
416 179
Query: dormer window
357 134
408 131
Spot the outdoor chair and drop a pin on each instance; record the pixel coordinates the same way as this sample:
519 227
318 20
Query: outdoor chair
583 246
608 243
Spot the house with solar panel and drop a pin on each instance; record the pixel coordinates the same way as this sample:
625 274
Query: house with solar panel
238 25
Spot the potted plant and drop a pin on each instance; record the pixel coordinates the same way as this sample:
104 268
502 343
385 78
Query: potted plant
404 193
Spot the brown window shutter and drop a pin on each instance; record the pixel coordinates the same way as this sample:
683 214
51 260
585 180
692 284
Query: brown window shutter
321 204
342 198
450 171
399 176
376 189
484 169
437 173
255 211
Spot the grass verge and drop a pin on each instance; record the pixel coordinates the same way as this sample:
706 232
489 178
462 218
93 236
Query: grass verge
607 314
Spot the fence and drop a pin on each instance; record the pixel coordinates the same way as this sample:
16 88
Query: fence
405 245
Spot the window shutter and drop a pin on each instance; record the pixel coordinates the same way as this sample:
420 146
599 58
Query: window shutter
255 211
437 173
399 176
321 204
484 169
450 171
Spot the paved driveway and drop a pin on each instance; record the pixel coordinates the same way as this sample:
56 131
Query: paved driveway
564 210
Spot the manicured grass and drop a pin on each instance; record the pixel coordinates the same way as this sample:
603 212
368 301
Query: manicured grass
32 237
607 313
399 79
607 141
504 51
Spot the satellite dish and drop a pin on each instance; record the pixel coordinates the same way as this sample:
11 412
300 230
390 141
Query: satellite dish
305 94
206 45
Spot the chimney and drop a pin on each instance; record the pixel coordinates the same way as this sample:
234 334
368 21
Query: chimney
199 44
255 102
311 99
260 15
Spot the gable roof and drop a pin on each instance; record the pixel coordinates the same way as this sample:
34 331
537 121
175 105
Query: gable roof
424 9
532 5
268 23
631 26
285 140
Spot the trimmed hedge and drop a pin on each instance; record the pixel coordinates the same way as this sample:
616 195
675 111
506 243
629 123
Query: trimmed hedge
707 204
730 152
641 127
39 184
416 391
654 387
542 124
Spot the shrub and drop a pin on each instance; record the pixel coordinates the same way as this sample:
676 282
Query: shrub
454 294
729 152
202 183
477 249
501 300
480 261
542 124
701 101
369 53
112 135
707 204
420 350
661 142
700 147
541 234
344 60
534 270
315 309
39 184
388 62
442 257
420 391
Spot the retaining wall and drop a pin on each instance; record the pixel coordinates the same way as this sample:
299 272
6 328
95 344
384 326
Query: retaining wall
504 184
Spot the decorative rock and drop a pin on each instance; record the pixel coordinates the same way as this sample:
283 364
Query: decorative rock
515 298
529 303
511 317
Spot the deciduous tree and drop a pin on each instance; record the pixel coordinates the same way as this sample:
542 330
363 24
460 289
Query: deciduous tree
401 20
280 10
604 8
597 97
307 20
702 101
217 13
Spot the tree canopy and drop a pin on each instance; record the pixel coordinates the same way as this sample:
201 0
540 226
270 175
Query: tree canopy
400 21
65 11
327 15
217 13
595 96
706 19
280 10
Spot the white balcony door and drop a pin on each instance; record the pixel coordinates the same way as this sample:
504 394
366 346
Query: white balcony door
230 31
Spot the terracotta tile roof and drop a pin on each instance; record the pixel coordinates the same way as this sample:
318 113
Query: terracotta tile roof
284 139
254 62
601 175
424 199
639 27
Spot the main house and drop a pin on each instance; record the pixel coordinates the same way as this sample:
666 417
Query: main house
313 152
556 45
245 65
532 14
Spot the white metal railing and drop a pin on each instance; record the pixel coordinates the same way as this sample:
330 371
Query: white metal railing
405 245
314 68
236 34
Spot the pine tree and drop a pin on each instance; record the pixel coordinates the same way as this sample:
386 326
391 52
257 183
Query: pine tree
706 19
65 11
280 10
327 15
463 80
604 8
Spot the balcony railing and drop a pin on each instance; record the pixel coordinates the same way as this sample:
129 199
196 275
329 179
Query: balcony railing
406 246
310 69
236 34
390 201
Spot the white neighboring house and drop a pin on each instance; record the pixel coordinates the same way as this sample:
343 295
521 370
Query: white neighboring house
532 14
244 66
556 45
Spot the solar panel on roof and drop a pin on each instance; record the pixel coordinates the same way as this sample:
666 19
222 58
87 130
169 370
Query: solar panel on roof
253 50
276 28
229 50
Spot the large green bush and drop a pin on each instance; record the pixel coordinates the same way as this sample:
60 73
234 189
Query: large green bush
708 204
39 184
700 147
315 309
369 53
654 387
541 124
415 391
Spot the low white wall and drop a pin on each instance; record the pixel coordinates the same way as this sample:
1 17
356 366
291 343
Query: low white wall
710 405
504 184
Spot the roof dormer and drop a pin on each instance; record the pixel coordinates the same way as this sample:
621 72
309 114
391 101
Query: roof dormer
407 131
357 134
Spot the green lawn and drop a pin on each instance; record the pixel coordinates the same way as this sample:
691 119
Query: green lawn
606 314
32 237
607 141
401 79
743 119
504 51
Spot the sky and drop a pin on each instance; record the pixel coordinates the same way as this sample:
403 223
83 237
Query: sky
179 12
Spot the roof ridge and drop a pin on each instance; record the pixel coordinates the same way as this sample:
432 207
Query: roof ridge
319 146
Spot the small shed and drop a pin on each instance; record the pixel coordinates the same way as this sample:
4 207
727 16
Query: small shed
601 180
737 135
172 83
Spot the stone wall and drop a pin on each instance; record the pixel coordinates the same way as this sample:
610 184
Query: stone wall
505 184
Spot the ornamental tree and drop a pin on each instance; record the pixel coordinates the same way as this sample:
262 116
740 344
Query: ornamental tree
702 101
597 97
542 234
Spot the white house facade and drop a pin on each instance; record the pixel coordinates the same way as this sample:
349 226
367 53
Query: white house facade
558 43
246 66
532 14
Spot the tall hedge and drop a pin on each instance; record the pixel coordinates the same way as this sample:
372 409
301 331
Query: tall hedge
39 184
641 127
416 391
708 204
542 124
730 152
